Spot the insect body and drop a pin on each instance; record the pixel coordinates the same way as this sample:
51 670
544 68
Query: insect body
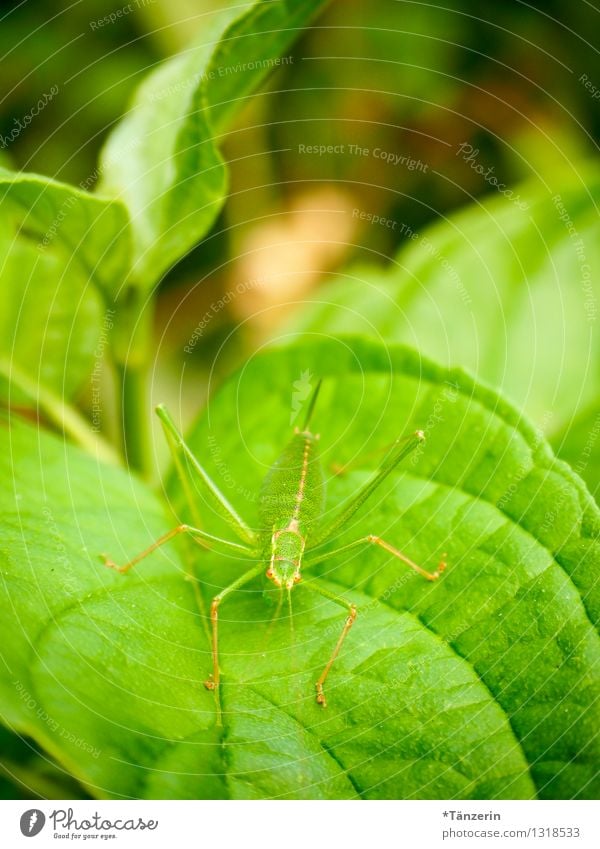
292 500
292 532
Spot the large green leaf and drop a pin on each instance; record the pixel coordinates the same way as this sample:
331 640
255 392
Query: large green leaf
62 253
511 294
27 773
579 445
481 685
163 159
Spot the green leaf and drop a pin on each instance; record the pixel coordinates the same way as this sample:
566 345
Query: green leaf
79 678
26 773
63 252
163 158
579 445
509 293
481 685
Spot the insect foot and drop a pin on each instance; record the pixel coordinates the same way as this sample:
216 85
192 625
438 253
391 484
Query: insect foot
110 564
442 566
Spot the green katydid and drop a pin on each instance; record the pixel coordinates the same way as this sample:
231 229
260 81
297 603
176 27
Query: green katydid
292 534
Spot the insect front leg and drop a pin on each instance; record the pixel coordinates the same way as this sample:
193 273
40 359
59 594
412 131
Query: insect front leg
350 620
207 540
371 539
215 678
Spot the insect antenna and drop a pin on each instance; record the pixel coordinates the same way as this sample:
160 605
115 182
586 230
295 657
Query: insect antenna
291 613
274 619
293 647
311 405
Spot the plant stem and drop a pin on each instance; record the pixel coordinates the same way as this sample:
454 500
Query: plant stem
131 356
135 417
62 414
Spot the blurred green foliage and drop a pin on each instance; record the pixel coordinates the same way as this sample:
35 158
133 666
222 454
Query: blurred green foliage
402 76
513 81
